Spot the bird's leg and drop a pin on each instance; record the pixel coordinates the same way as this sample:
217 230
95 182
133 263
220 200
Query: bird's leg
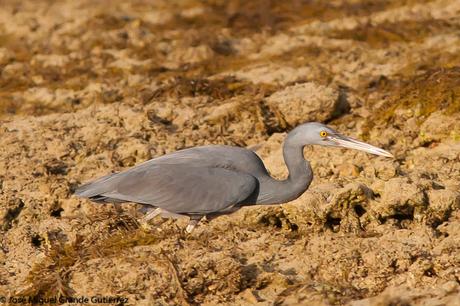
151 214
192 223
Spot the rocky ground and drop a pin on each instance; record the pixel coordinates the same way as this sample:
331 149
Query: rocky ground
87 88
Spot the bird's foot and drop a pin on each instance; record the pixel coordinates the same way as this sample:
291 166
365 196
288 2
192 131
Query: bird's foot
151 214
191 225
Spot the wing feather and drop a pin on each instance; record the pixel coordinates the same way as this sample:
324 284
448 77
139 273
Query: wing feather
178 188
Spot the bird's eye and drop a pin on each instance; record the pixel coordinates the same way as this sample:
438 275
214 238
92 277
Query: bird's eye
323 134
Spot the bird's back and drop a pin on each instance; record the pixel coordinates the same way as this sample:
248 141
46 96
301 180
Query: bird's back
220 156
198 180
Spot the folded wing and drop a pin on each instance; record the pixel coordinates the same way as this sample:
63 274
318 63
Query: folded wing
177 188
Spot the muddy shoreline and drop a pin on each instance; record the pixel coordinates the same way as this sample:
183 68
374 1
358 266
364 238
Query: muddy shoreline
87 89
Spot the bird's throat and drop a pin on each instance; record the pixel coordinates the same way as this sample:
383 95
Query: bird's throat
297 182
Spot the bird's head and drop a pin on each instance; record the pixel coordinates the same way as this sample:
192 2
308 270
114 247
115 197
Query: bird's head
315 133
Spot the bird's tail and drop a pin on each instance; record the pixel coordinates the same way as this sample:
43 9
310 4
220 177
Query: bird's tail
94 190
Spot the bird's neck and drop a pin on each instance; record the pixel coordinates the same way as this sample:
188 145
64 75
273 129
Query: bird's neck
300 176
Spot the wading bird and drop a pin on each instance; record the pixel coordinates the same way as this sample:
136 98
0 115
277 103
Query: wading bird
214 180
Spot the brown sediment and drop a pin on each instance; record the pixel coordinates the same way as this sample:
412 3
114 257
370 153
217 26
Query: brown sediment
386 33
436 90
87 89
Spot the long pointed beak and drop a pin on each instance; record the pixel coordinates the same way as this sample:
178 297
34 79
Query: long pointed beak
348 142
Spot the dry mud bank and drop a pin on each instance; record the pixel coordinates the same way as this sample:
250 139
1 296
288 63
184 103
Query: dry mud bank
86 89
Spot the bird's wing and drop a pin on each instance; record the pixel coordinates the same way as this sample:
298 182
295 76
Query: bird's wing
177 188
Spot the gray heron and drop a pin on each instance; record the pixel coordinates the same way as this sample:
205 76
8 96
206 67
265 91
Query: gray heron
213 180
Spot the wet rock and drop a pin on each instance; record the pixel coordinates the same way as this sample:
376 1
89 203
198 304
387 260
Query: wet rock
348 170
348 207
220 113
436 157
128 154
56 167
206 275
50 60
304 102
191 55
273 74
441 204
402 200
41 100
383 169
5 56
13 70
310 209
10 212
331 207
438 126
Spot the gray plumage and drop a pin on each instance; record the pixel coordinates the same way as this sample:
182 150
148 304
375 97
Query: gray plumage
214 180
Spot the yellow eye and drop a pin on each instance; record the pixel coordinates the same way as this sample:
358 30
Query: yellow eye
323 134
